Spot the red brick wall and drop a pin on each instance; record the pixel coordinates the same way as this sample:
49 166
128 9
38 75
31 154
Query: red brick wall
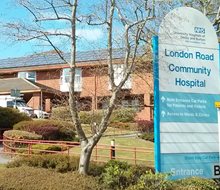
49 78
94 84
34 102
8 75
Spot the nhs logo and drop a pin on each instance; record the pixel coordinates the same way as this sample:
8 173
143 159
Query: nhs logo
199 30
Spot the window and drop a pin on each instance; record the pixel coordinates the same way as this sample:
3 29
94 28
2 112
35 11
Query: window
118 75
10 104
135 101
65 79
28 75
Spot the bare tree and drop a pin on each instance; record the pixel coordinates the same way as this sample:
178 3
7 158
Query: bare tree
210 8
131 16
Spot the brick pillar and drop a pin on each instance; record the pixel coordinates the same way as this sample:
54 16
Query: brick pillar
147 109
93 103
47 105
34 102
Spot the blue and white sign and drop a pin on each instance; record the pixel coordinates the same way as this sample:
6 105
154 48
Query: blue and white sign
187 85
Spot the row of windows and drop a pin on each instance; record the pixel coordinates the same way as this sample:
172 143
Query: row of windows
28 75
65 78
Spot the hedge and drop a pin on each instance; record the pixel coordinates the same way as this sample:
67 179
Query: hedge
26 178
58 162
124 126
17 134
49 129
124 115
114 175
46 148
11 116
145 126
89 117
61 113
120 175
147 136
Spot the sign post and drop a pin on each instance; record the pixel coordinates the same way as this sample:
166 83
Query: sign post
15 93
187 84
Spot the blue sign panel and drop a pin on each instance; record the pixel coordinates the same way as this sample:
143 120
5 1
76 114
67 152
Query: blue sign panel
186 87
188 107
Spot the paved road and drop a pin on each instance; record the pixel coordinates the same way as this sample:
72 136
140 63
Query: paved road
3 158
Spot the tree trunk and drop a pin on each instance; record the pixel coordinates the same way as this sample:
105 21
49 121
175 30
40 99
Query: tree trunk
86 151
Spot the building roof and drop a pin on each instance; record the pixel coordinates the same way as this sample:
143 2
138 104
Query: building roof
23 85
45 59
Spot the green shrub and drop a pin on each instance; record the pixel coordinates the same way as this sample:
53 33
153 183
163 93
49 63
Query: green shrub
19 135
96 169
49 129
88 117
25 178
124 115
43 148
61 113
116 175
11 116
147 136
120 175
195 183
151 181
58 162
123 126
16 134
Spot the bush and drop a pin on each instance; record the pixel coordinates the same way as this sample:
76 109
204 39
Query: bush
119 175
89 117
25 178
49 129
145 126
19 135
123 126
61 113
124 115
116 175
16 134
147 136
43 148
195 183
11 116
151 181
96 169
58 162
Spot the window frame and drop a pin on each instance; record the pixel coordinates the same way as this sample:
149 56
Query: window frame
25 74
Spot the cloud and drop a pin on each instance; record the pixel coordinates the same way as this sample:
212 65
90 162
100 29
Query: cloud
87 34
90 34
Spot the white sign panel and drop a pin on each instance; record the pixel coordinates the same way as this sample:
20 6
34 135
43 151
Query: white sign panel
189 86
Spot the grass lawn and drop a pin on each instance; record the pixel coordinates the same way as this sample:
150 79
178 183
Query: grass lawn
109 131
127 148
2 166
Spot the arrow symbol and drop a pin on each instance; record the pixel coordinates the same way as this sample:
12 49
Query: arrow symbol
163 113
163 98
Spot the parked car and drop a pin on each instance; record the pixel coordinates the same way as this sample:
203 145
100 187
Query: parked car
41 114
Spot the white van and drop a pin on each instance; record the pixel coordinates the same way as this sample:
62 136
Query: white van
18 103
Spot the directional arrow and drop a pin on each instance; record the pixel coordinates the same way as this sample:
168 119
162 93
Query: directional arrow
163 98
163 113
